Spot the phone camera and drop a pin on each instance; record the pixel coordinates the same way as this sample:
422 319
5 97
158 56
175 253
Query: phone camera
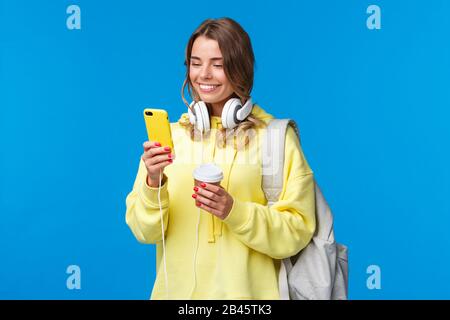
148 113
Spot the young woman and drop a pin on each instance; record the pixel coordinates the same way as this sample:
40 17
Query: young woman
220 242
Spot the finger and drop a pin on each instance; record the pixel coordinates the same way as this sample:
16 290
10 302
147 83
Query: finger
151 144
205 207
159 158
213 188
146 145
207 194
156 151
208 202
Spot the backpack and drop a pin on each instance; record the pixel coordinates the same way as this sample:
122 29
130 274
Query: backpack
320 270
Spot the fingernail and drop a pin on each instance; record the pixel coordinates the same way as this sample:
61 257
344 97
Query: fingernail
167 148
198 204
170 156
194 196
170 160
203 185
195 189
157 144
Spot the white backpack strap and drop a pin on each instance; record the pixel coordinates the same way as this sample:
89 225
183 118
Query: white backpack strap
324 217
272 148
283 286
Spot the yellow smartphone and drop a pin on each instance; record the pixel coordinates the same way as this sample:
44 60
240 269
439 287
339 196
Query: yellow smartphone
158 127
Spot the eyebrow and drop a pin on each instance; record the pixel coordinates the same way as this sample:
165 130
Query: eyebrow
215 58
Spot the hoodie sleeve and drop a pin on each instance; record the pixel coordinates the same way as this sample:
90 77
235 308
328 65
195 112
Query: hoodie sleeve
143 214
282 230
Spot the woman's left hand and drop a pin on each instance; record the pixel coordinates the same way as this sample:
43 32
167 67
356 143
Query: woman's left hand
213 199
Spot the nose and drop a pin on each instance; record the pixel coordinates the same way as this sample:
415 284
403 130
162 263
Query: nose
205 72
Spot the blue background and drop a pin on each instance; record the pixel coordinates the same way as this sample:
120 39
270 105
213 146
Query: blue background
372 106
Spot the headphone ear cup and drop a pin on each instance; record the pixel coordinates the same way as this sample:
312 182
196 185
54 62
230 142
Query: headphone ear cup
202 117
229 113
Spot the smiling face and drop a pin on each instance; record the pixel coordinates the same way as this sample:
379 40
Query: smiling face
207 75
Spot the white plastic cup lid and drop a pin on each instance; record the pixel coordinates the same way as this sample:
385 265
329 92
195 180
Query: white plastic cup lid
208 172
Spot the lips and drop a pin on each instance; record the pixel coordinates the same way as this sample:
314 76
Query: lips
207 88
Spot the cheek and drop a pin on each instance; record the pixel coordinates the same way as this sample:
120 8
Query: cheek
192 75
226 85
220 75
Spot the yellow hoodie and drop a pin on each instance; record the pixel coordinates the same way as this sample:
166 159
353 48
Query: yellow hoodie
237 258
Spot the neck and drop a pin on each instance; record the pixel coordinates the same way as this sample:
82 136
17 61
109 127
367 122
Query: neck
216 109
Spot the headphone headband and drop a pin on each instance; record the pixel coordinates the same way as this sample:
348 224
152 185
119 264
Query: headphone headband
245 110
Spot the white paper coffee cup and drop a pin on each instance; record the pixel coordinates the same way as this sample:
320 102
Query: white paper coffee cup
209 173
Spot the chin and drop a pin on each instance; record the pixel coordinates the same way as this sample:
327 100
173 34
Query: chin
209 99
217 97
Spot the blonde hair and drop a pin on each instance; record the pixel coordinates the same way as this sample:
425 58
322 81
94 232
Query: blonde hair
238 63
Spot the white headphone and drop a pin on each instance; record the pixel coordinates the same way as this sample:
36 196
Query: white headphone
233 113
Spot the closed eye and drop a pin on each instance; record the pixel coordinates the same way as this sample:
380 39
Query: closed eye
198 64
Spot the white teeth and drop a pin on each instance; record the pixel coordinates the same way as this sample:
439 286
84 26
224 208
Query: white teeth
207 87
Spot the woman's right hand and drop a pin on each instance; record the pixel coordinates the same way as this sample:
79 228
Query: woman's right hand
155 158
